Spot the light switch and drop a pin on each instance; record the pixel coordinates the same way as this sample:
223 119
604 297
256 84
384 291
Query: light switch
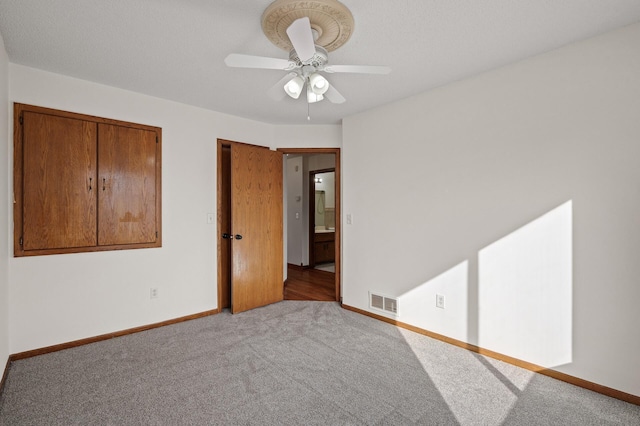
349 219
210 218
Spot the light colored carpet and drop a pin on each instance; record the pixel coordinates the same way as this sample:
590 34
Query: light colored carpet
291 363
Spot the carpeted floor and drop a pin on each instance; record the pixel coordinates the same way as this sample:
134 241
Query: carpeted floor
291 363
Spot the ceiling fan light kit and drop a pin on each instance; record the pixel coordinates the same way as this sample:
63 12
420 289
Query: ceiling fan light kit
294 87
308 30
313 97
318 84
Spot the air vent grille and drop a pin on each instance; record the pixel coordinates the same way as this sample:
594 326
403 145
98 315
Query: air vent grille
383 303
377 301
391 305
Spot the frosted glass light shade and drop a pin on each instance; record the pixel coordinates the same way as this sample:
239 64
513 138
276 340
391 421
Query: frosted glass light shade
313 97
294 87
319 84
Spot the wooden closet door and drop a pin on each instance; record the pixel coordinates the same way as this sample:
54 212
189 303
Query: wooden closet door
126 185
256 216
59 196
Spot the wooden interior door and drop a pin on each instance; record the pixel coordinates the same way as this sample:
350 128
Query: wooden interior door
59 198
257 227
224 226
127 185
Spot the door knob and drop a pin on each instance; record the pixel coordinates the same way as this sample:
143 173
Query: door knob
227 236
238 237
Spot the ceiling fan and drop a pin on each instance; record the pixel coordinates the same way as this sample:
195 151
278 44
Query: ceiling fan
307 58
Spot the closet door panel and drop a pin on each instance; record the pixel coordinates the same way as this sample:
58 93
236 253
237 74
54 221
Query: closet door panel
59 195
127 185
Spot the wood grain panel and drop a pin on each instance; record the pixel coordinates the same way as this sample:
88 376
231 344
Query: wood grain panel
54 163
127 185
224 216
338 233
324 237
59 197
256 210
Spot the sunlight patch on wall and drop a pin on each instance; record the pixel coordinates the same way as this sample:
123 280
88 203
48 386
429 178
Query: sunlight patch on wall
419 304
525 291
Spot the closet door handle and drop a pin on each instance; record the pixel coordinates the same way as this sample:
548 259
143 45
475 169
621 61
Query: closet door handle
90 184
238 237
104 182
227 236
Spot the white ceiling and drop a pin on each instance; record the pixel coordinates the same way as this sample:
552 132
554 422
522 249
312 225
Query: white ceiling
174 49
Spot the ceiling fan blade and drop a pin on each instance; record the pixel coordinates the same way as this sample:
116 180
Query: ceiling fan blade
238 60
277 90
301 37
334 96
360 69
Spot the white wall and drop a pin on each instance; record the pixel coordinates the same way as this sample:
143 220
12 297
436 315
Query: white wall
4 207
307 136
521 181
60 298
295 229
320 162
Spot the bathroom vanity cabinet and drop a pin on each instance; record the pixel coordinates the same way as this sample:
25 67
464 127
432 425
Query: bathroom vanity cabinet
324 247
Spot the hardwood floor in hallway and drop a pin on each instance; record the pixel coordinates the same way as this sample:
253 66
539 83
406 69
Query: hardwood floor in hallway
309 284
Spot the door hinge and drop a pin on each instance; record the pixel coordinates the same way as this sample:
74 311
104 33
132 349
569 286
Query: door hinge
21 120
21 241
156 234
156 138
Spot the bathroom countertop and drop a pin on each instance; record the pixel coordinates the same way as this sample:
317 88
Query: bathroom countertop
324 231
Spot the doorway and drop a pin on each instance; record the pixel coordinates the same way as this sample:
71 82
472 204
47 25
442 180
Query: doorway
315 249
322 219
227 240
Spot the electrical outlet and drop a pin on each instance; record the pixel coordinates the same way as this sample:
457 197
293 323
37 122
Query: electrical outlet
439 301
153 293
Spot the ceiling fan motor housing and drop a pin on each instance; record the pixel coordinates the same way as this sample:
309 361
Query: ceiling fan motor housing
318 60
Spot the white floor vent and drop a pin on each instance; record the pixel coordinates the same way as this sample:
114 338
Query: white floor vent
386 304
